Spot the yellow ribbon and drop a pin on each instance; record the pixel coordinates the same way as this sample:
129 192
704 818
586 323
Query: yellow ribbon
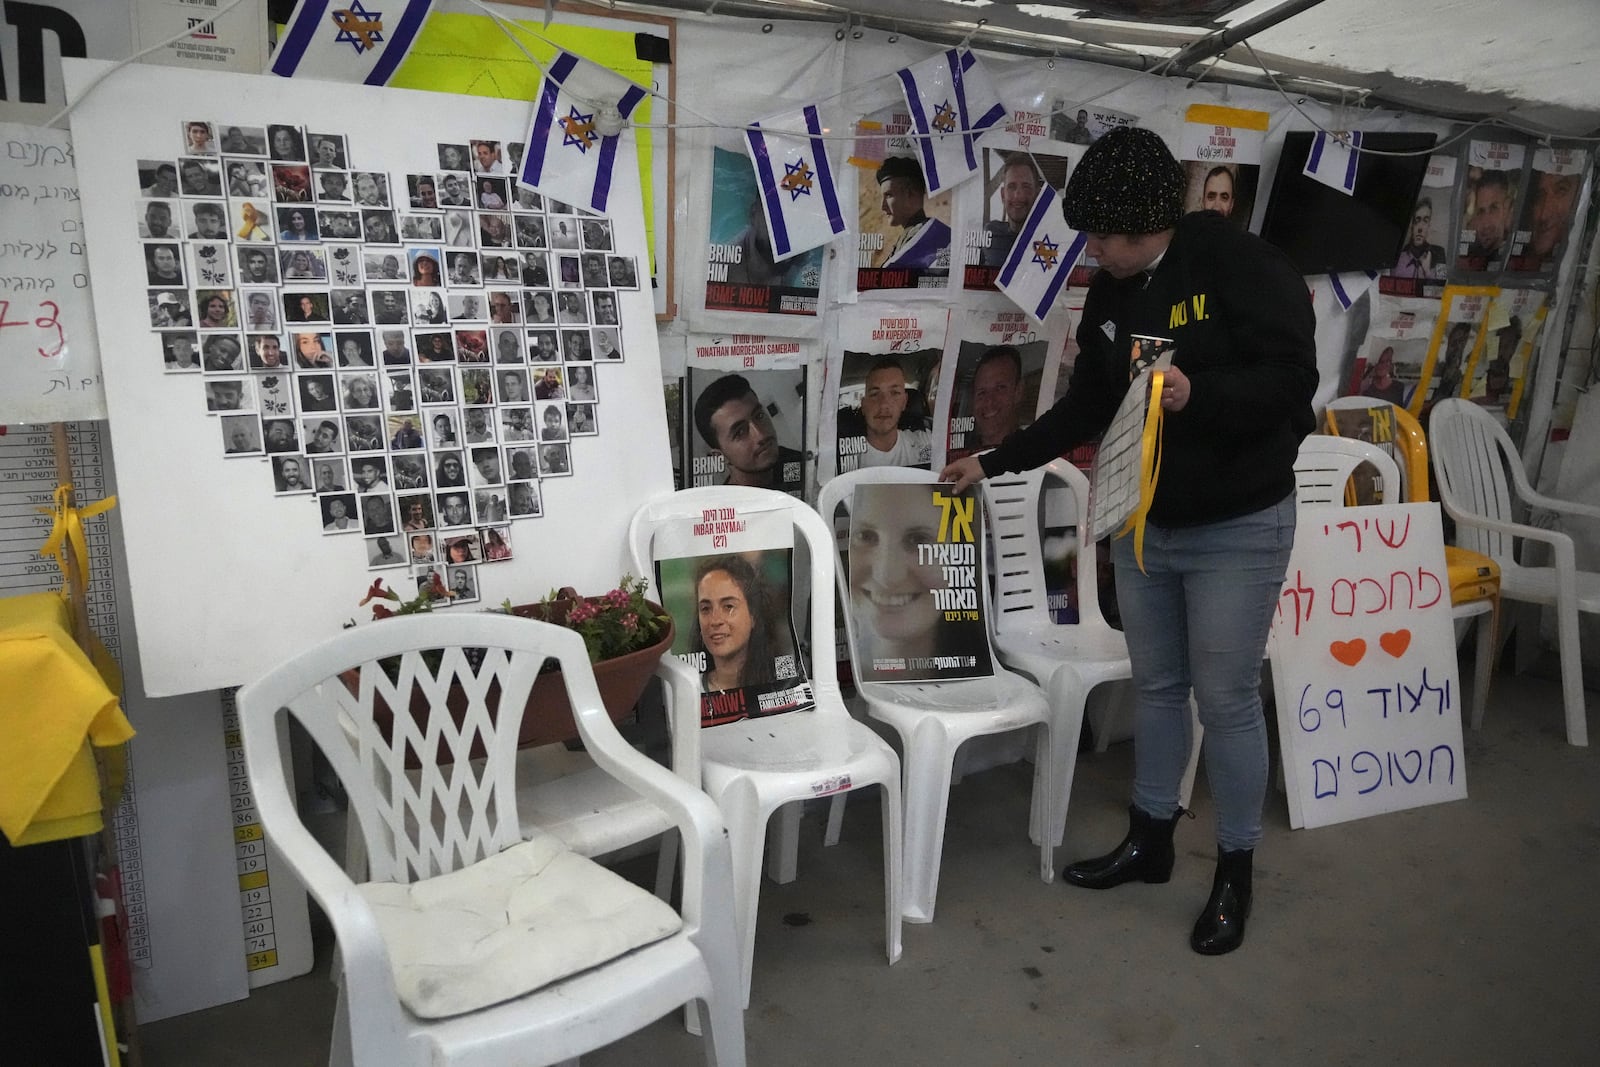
1149 469
66 531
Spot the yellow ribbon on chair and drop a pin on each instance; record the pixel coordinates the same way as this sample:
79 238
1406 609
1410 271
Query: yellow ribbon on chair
1149 468
66 531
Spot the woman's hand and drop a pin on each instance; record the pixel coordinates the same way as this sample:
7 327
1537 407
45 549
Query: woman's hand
963 472
1175 389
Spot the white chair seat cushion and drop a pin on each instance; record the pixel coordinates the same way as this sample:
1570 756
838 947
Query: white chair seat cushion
508 925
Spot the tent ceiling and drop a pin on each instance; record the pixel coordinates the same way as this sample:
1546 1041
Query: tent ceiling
1532 64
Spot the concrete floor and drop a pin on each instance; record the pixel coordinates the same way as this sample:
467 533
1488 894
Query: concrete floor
1463 933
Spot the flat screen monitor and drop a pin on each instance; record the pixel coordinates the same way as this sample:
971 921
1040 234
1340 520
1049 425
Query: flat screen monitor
1326 231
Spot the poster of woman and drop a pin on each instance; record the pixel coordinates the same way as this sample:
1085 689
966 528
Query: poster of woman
731 612
916 584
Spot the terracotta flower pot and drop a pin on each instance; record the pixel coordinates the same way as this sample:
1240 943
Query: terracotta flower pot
548 717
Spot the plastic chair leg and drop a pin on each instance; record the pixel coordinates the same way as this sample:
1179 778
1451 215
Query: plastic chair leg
835 820
929 757
1482 665
724 1037
1571 670
893 861
1068 699
746 820
667 864
783 842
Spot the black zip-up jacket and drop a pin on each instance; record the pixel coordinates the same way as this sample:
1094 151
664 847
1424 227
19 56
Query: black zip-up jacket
1242 328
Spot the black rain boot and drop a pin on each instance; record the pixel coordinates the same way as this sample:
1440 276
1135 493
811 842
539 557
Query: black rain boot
1144 855
1220 927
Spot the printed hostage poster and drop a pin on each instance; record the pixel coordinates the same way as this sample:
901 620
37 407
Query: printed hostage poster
741 273
1084 124
745 426
1492 196
1553 188
916 584
1013 171
1457 339
1364 666
1221 152
1422 262
993 379
883 384
903 233
1396 348
726 578
1498 373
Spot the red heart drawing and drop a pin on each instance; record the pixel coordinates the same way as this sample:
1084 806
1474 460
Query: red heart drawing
1348 652
1396 643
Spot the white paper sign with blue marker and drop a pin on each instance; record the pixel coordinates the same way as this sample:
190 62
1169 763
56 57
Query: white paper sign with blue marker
1364 666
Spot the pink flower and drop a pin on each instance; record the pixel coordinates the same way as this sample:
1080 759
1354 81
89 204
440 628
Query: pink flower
630 622
617 598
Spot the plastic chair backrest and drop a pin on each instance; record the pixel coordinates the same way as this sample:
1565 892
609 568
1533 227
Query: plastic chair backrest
1019 506
1324 464
441 817
1471 454
1410 444
838 493
813 565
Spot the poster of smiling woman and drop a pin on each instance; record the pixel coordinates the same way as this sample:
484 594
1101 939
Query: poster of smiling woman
916 584
726 579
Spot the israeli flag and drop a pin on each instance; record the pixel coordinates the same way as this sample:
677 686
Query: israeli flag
798 196
1348 288
1041 257
568 156
1333 162
952 103
349 41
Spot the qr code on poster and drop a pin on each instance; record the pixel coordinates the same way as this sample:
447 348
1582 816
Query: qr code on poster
783 667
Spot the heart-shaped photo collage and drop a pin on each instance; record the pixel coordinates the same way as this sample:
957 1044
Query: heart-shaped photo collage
415 351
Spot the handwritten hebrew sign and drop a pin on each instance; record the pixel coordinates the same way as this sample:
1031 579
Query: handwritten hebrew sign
49 354
1364 666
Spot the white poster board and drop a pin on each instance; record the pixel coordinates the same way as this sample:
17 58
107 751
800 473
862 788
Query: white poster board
49 354
1364 666
229 578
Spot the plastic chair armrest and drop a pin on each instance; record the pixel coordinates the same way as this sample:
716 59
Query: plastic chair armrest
704 835
682 687
374 1003
1564 507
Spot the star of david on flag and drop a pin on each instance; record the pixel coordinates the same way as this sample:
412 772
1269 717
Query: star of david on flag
568 157
795 181
1041 257
349 40
952 102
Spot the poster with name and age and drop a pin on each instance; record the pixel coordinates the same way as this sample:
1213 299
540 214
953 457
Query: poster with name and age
49 353
1364 666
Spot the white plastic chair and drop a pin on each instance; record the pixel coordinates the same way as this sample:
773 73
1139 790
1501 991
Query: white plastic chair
933 719
1324 464
470 945
1471 454
754 767
1067 660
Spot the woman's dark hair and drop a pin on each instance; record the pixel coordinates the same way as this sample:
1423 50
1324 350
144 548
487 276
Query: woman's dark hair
758 666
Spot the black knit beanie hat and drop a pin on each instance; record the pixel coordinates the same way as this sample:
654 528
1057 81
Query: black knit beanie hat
1128 182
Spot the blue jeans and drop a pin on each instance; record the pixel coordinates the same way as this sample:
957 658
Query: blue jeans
1199 617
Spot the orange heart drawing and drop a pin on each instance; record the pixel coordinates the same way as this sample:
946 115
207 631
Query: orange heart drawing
1396 643
1348 652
